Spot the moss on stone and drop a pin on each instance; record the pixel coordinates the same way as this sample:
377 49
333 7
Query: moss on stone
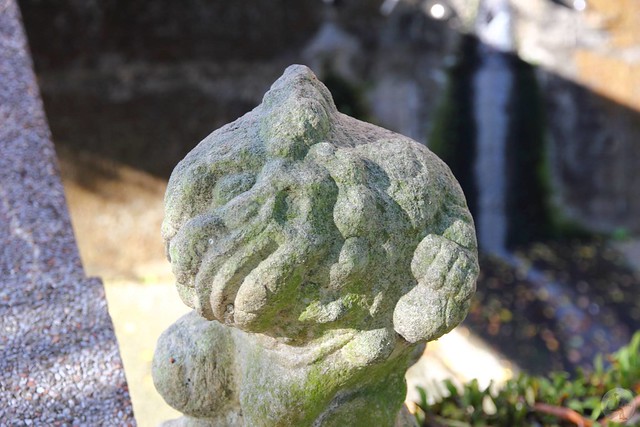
296 228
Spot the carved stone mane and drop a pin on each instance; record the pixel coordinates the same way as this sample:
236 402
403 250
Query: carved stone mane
318 252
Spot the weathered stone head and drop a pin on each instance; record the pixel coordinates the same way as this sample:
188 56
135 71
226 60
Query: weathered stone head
327 247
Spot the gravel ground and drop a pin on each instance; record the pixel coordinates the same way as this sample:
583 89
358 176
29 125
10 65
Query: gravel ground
59 359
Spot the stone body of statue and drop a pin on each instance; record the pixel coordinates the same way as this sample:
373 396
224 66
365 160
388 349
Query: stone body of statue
319 254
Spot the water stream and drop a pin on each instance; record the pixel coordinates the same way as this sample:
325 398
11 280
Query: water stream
492 85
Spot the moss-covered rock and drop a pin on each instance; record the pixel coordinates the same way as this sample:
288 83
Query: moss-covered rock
326 251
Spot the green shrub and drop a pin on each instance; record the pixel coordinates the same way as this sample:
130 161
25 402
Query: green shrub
556 400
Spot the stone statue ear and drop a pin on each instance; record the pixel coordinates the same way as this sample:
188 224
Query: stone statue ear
420 315
297 113
445 276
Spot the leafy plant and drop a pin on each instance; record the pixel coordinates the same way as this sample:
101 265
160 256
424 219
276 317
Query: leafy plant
555 400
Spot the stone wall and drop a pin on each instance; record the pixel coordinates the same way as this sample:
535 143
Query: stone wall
142 82
589 68
65 32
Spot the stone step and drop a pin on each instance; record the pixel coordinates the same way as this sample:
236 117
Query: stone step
59 358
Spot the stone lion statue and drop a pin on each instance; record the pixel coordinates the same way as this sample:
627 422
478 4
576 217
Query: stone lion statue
319 253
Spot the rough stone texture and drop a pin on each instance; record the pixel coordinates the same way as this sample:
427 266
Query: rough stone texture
59 360
325 250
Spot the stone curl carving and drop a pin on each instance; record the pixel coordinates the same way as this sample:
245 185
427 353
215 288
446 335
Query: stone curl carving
318 253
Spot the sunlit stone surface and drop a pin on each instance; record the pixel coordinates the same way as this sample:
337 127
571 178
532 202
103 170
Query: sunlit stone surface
319 254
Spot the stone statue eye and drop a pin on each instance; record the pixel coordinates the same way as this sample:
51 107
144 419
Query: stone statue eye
231 186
